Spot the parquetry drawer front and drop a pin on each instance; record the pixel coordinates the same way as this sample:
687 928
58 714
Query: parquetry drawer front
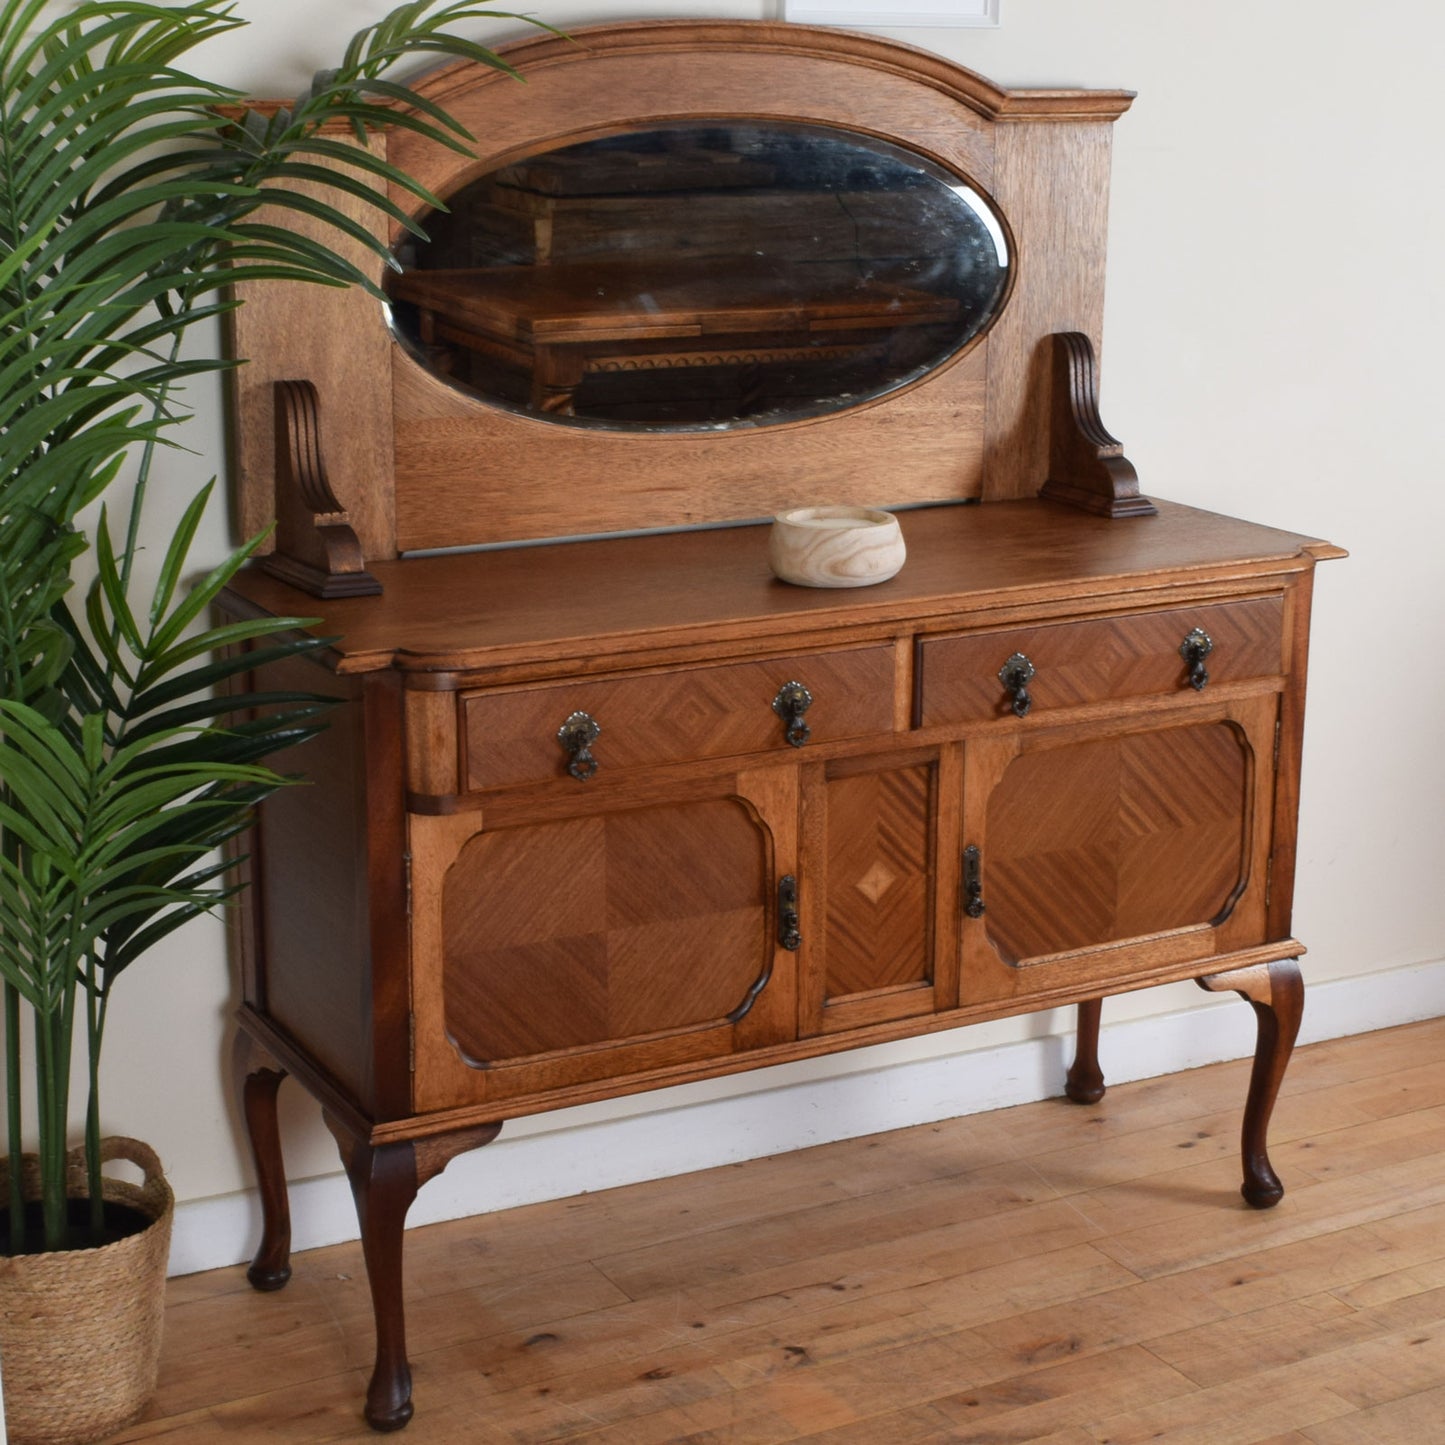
1019 671
648 719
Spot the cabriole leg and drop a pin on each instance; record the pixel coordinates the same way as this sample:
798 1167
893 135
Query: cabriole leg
1084 1083
384 1181
258 1077
383 1184
1276 993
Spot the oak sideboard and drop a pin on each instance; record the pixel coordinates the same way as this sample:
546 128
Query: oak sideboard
623 810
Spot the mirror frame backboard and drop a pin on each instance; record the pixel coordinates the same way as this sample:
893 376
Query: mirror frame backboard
417 465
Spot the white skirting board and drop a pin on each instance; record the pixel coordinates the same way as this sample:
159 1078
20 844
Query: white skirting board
658 1140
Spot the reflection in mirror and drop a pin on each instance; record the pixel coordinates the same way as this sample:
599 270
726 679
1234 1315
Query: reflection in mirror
700 276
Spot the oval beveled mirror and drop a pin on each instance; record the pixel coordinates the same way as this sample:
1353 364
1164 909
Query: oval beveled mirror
701 276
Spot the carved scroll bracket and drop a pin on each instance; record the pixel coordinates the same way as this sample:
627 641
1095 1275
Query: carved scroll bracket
1087 466
316 546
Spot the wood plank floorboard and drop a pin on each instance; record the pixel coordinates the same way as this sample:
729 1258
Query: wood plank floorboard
1046 1274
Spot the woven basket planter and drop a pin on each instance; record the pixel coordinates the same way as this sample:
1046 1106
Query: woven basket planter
80 1330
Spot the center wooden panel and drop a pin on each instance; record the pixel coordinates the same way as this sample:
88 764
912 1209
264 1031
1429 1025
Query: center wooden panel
592 930
1098 842
878 888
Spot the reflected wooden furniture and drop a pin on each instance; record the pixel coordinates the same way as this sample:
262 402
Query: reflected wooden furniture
603 816
571 206
557 324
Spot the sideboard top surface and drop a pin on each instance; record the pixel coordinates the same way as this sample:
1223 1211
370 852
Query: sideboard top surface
461 611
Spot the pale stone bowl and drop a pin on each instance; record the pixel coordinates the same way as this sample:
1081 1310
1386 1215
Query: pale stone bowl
835 546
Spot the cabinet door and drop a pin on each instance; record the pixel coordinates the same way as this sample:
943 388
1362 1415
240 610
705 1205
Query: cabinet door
566 950
869 881
1110 854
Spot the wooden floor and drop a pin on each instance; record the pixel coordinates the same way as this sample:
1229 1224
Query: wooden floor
1047 1273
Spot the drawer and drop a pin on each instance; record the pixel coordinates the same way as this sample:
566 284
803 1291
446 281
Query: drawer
1131 655
673 717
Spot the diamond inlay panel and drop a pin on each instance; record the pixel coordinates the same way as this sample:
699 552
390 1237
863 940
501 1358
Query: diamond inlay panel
593 930
877 919
1103 841
876 882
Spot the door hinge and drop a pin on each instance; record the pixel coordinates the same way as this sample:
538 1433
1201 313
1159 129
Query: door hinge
406 863
411 1043
1275 765
1268 880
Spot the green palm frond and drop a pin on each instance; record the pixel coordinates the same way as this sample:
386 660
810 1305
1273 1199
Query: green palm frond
126 183
133 195
114 802
175 727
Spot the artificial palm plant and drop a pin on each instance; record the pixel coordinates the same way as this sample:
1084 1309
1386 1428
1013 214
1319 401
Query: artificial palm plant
132 196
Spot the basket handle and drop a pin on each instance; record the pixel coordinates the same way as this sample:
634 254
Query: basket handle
118 1146
133 1151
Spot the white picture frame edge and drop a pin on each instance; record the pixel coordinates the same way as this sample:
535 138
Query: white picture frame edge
906 13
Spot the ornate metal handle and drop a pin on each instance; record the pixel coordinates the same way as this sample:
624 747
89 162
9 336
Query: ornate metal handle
577 735
972 883
788 935
1016 674
792 701
1194 649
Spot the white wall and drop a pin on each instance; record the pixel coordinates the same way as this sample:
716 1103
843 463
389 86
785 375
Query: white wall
1275 300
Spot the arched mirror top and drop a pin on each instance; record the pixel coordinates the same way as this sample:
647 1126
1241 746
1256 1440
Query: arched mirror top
701 275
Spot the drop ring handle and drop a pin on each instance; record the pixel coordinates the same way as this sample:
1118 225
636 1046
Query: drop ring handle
792 701
1016 674
577 735
1194 649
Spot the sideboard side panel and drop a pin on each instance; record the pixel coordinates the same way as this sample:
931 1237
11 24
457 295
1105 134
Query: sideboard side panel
328 866
1289 748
